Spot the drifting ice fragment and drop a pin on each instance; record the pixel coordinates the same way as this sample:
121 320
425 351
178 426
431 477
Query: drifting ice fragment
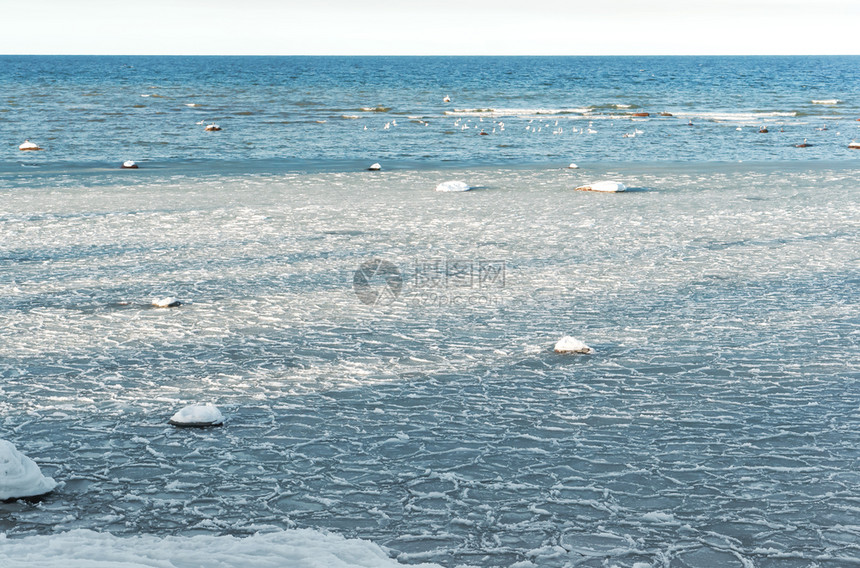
27 145
568 344
129 165
375 167
453 186
604 186
20 476
197 416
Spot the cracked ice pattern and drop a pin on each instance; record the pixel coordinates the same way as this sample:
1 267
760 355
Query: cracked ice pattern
716 424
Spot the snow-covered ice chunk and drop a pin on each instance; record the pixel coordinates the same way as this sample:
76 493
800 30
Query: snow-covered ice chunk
375 167
198 415
166 302
297 548
20 476
453 185
572 166
604 186
27 145
129 165
568 344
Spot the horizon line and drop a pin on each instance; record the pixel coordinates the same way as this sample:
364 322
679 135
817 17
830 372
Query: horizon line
429 55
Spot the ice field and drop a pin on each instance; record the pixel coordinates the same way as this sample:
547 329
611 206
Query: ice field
717 423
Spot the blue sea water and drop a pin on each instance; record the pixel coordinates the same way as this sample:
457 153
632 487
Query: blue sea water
332 112
717 423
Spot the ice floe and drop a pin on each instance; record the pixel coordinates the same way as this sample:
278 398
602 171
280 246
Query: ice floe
20 476
129 165
453 185
198 415
604 186
375 167
297 548
27 145
568 344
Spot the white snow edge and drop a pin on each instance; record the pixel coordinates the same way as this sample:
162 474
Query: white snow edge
297 548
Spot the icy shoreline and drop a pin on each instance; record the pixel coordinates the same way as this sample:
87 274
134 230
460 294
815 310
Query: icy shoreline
296 548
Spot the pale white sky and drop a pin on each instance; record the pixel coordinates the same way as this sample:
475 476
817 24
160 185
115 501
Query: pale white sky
424 27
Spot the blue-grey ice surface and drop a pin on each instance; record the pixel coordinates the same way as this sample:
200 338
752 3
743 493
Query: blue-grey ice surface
716 424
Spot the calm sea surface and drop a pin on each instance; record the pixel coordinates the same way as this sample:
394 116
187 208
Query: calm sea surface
300 112
716 424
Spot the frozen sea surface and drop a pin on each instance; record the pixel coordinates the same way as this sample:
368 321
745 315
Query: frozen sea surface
717 423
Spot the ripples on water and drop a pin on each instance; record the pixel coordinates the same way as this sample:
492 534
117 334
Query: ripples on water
715 425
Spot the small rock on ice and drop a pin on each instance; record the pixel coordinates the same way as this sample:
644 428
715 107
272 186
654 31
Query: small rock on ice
604 186
375 167
27 145
568 344
198 415
453 186
166 303
20 476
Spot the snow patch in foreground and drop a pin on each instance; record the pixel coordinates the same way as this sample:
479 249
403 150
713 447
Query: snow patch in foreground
20 476
297 548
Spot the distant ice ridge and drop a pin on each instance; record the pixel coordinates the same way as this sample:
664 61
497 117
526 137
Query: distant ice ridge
519 112
735 116
297 548
20 476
